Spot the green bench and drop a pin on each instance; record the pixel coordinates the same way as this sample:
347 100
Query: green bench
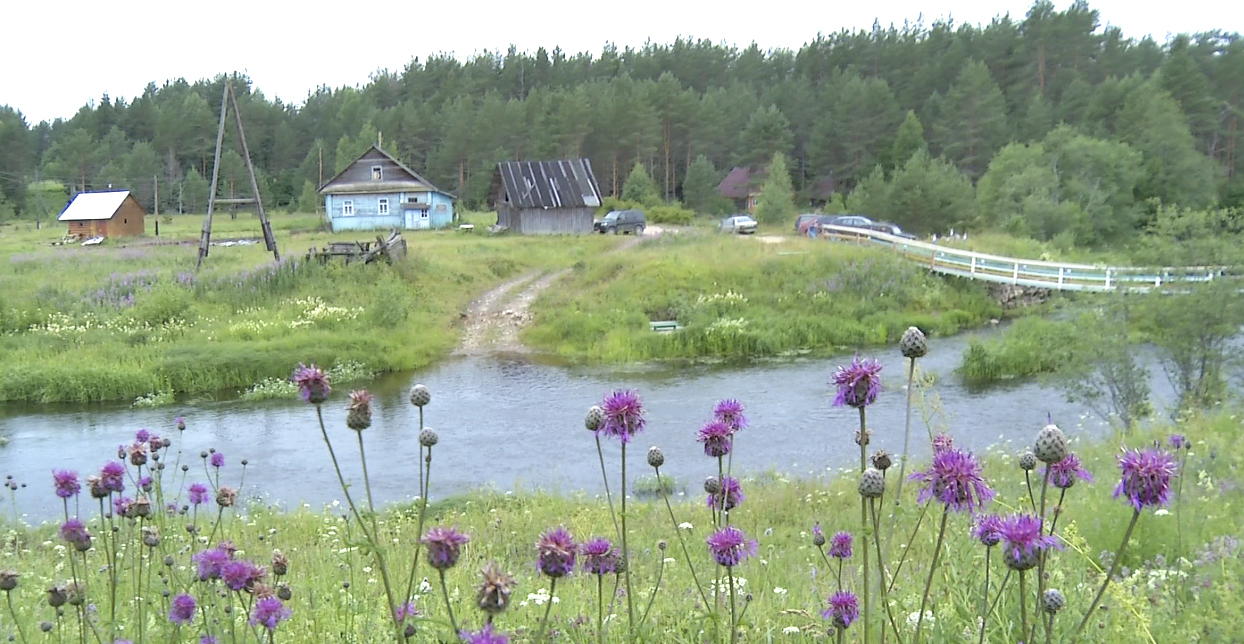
664 326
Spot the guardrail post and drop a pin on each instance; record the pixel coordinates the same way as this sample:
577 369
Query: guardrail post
1060 276
1107 279
933 260
973 264
1015 274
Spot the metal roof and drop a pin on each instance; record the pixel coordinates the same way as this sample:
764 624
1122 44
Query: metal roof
416 183
567 183
88 206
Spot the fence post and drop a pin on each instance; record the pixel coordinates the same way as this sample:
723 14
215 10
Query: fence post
1060 276
1107 279
973 264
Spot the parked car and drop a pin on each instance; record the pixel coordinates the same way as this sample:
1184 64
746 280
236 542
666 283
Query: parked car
890 229
621 222
849 221
741 224
803 221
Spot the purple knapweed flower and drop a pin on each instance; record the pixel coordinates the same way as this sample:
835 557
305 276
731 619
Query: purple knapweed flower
122 505
407 609
716 436
624 415
556 553
145 483
987 528
1064 473
198 493
312 383
1146 479
212 561
1024 537
269 612
730 496
955 480
241 574
142 436
208 639
67 485
112 476
74 531
180 423
843 609
1177 441
217 459
485 636
942 442
858 383
730 412
599 557
156 442
182 611
840 545
729 546
444 547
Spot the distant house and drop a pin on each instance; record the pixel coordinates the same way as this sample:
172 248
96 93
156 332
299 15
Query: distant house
742 186
105 214
377 191
545 197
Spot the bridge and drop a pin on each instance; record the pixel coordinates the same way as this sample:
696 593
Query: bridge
1060 276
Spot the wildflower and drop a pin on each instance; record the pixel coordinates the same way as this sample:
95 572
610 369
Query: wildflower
241 574
145 483
715 435
840 545
142 435
226 496
208 639
67 485
280 563
730 412
556 551
599 556
444 547
358 417
1146 479
198 493
217 459
1178 442
493 594
137 454
1024 540
122 506
942 442
406 609
818 535
182 612
624 415
269 612
656 458
112 476
858 383
729 546
312 383
74 532
988 529
843 609
180 423
211 562
1064 473
955 480
485 636
728 496
156 443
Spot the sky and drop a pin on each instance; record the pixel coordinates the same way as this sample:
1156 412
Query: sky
71 52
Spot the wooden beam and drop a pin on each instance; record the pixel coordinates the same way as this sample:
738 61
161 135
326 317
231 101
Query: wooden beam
206 236
269 238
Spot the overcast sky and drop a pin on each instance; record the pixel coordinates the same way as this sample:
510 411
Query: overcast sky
54 57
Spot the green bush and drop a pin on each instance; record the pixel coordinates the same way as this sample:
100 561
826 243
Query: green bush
1029 347
672 214
162 304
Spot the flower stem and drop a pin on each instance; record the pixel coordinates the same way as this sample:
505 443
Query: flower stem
985 595
864 529
423 510
600 608
422 492
544 623
907 547
1114 567
652 598
681 541
734 627
902 464
375 538
608 497
1023 606
453 623
1058 510
8 595
885 603
626 556
1031 498
928 584
1041 555
1049 629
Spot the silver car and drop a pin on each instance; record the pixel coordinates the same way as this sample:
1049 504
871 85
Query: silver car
741 224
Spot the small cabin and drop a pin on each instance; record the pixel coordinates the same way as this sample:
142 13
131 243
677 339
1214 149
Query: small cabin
545 197
104 214
377 191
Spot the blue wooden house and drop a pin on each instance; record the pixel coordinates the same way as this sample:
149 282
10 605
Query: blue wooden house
379 192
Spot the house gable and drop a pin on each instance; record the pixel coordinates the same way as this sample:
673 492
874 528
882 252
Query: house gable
376 171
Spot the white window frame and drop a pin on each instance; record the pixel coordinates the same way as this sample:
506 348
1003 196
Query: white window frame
347 208
382 206
377 173
423 214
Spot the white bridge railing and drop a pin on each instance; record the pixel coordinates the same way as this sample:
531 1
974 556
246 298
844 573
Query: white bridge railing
1027 272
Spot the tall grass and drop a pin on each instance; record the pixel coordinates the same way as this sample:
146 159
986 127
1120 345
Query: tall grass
1029 347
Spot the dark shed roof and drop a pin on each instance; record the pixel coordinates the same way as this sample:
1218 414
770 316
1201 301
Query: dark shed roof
568 183
740 182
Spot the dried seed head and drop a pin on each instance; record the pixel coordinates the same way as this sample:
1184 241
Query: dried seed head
429 437
881 460
595 416
226 496
151 536
57 596
863 439
656 458
283 592
872 483
712 485
358 417
662 544
142 506
493 594
420 396
280 563
8 580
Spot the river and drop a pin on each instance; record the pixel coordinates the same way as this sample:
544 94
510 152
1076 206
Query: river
514 422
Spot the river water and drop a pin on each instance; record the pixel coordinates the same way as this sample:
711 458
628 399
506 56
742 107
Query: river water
514 422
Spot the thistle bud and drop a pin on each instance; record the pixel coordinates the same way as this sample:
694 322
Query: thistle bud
151 536
881 460
1051 445
280 563
1027 461
57 596
1053 601
420 396
8 580
656 458
872 483
595 416
862 439
428 437
913 344
712 485
283 592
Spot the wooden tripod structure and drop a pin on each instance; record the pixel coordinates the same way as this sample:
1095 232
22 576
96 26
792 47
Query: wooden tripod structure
227 100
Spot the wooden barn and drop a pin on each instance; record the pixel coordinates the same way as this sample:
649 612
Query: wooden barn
105 214
545 197
377 191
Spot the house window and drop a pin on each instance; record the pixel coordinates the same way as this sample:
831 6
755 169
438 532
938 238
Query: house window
383 206
377 173
347 208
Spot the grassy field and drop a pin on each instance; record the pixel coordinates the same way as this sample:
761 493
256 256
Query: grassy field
1179 583
132 317
740 297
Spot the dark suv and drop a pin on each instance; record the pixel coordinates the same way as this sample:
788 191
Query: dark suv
621 222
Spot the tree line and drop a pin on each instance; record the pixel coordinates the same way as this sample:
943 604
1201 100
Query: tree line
1046 125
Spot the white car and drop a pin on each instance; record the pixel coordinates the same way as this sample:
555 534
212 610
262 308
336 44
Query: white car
741 224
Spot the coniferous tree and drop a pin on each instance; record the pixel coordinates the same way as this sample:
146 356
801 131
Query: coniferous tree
767 133
640 187
971 122
776 204
699 189
908 141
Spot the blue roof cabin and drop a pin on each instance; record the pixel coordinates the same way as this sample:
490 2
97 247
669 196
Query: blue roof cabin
379 192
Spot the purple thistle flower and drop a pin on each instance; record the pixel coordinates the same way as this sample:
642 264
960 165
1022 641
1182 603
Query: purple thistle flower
730 412
180 422
112 476
67 484
1023 536
858 383
729 546
730 496
312 383
407 609
599 557
840 545
624 415
556 551
942 442
715 435
269 612
145 483
217 459
1146 479
198 493
485 636
74 531
988 529
142 436
955 480
182 612
241 574
843 609
211 562
444 547
156 442
1177 441
122 505
1064 473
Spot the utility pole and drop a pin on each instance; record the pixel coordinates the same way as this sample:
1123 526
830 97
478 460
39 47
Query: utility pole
321 183
156 179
